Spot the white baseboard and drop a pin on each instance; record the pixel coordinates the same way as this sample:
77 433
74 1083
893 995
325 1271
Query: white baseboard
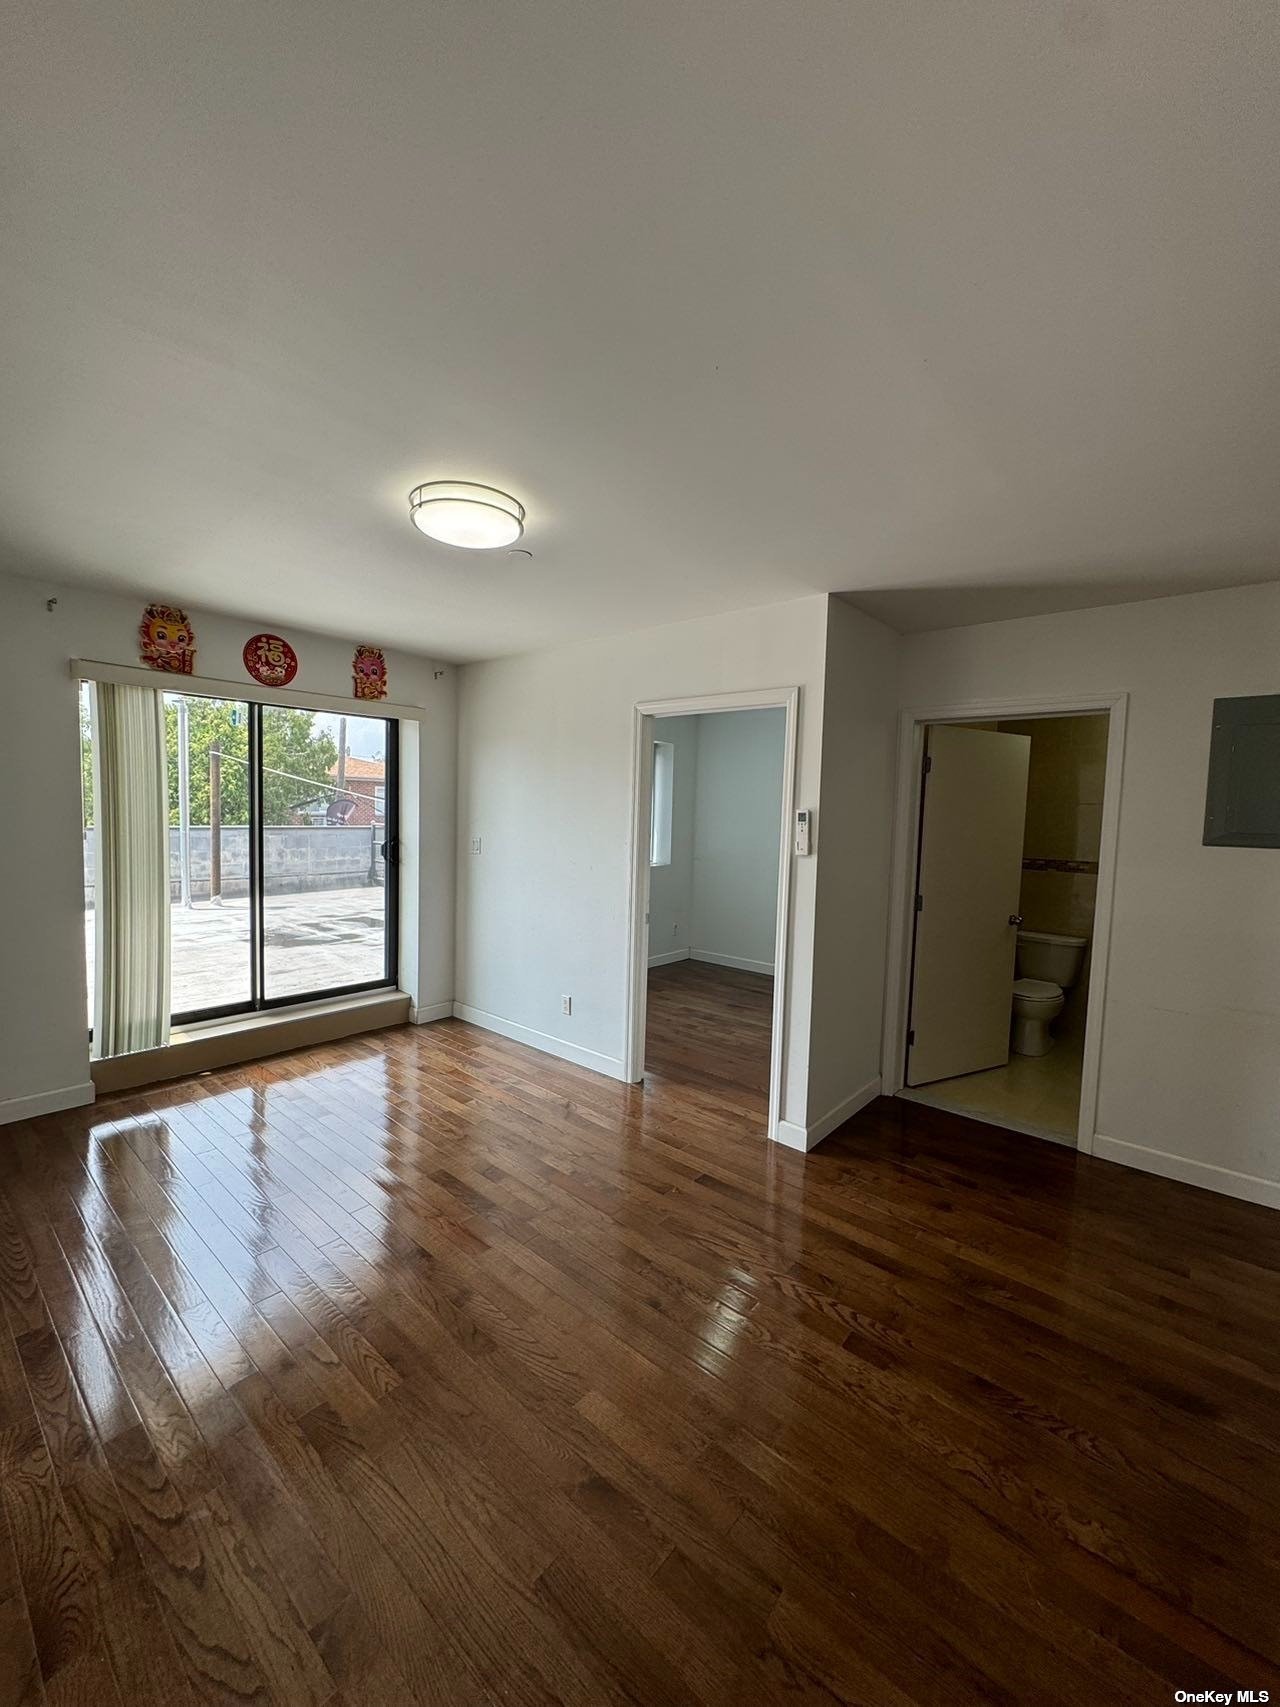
806 1137
793 1136
45 1102
434 1010
735 960
606 1064
669 959
1224 1180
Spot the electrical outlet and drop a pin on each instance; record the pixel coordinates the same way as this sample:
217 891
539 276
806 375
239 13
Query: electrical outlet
475 844
566 1004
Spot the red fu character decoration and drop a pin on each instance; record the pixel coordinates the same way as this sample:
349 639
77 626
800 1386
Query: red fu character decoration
270 660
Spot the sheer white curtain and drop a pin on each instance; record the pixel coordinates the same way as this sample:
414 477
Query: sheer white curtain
131 922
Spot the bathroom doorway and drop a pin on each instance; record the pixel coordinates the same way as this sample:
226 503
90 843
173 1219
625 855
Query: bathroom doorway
1007 878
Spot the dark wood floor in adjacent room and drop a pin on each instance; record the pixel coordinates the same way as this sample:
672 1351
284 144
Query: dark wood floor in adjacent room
708 1030
427 1369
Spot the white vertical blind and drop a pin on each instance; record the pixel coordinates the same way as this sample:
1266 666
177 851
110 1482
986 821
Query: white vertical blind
131 924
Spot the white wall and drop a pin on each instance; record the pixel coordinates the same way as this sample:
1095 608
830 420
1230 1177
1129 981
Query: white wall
718 898
854 835
44 1052
1190 1076
737 806
428 859
545 780
671 886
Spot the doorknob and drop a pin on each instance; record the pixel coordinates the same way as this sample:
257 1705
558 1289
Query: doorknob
1015 918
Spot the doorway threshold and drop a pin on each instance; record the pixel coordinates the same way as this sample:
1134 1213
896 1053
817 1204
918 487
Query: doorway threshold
1010 1122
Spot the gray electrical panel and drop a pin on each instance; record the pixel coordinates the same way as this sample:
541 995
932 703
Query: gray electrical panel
1242 808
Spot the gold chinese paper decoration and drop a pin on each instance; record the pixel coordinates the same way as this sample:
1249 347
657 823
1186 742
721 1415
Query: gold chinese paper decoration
369 673
166 640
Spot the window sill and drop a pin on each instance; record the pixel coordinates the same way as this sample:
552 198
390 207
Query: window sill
211 1044
233 1025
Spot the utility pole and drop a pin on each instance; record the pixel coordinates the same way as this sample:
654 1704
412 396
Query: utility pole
342 754
184 799
215 824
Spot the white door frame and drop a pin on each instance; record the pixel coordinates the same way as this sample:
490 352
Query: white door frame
636 996
906 822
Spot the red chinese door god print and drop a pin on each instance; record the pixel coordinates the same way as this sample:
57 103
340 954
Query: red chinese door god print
270 660
369 673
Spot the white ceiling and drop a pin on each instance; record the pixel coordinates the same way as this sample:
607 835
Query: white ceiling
946 306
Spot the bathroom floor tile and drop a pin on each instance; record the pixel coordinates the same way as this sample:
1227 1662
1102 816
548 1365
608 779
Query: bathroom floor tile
1041 1092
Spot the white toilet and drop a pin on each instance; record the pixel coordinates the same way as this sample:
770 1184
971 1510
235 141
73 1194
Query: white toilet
1046 965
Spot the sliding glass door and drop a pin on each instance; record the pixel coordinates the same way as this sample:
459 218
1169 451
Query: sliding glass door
326 797
282 845
209 901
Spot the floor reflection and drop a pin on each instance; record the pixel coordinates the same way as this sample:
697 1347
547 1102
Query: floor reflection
426 1322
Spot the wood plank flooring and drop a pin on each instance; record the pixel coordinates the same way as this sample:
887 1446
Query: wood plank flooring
709 1027
426 1369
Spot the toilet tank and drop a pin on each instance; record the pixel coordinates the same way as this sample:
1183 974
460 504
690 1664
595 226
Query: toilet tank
1056 959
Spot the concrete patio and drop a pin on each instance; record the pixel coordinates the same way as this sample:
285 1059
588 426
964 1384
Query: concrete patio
313 942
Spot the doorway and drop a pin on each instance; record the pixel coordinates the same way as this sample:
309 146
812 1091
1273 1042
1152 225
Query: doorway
710 898
1005 867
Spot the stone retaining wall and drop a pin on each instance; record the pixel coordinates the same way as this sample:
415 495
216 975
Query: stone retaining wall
299 860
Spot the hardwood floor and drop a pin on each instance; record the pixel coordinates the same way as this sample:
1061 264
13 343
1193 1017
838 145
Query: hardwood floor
708 1027
426 1369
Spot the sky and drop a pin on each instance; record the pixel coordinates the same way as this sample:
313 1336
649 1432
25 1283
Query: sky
366 736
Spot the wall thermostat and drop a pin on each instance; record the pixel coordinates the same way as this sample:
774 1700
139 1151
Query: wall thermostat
804 823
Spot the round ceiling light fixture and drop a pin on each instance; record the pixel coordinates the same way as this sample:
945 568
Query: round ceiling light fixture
478 518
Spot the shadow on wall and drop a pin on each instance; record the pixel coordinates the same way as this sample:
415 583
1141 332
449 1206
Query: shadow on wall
920 610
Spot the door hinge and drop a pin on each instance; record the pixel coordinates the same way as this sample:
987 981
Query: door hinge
911 1037
919 903
928 764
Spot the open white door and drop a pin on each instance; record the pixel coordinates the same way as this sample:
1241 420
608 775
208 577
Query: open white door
970 875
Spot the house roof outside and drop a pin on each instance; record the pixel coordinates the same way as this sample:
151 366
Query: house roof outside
362 769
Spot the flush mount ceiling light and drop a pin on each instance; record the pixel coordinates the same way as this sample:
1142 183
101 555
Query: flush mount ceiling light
457 513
